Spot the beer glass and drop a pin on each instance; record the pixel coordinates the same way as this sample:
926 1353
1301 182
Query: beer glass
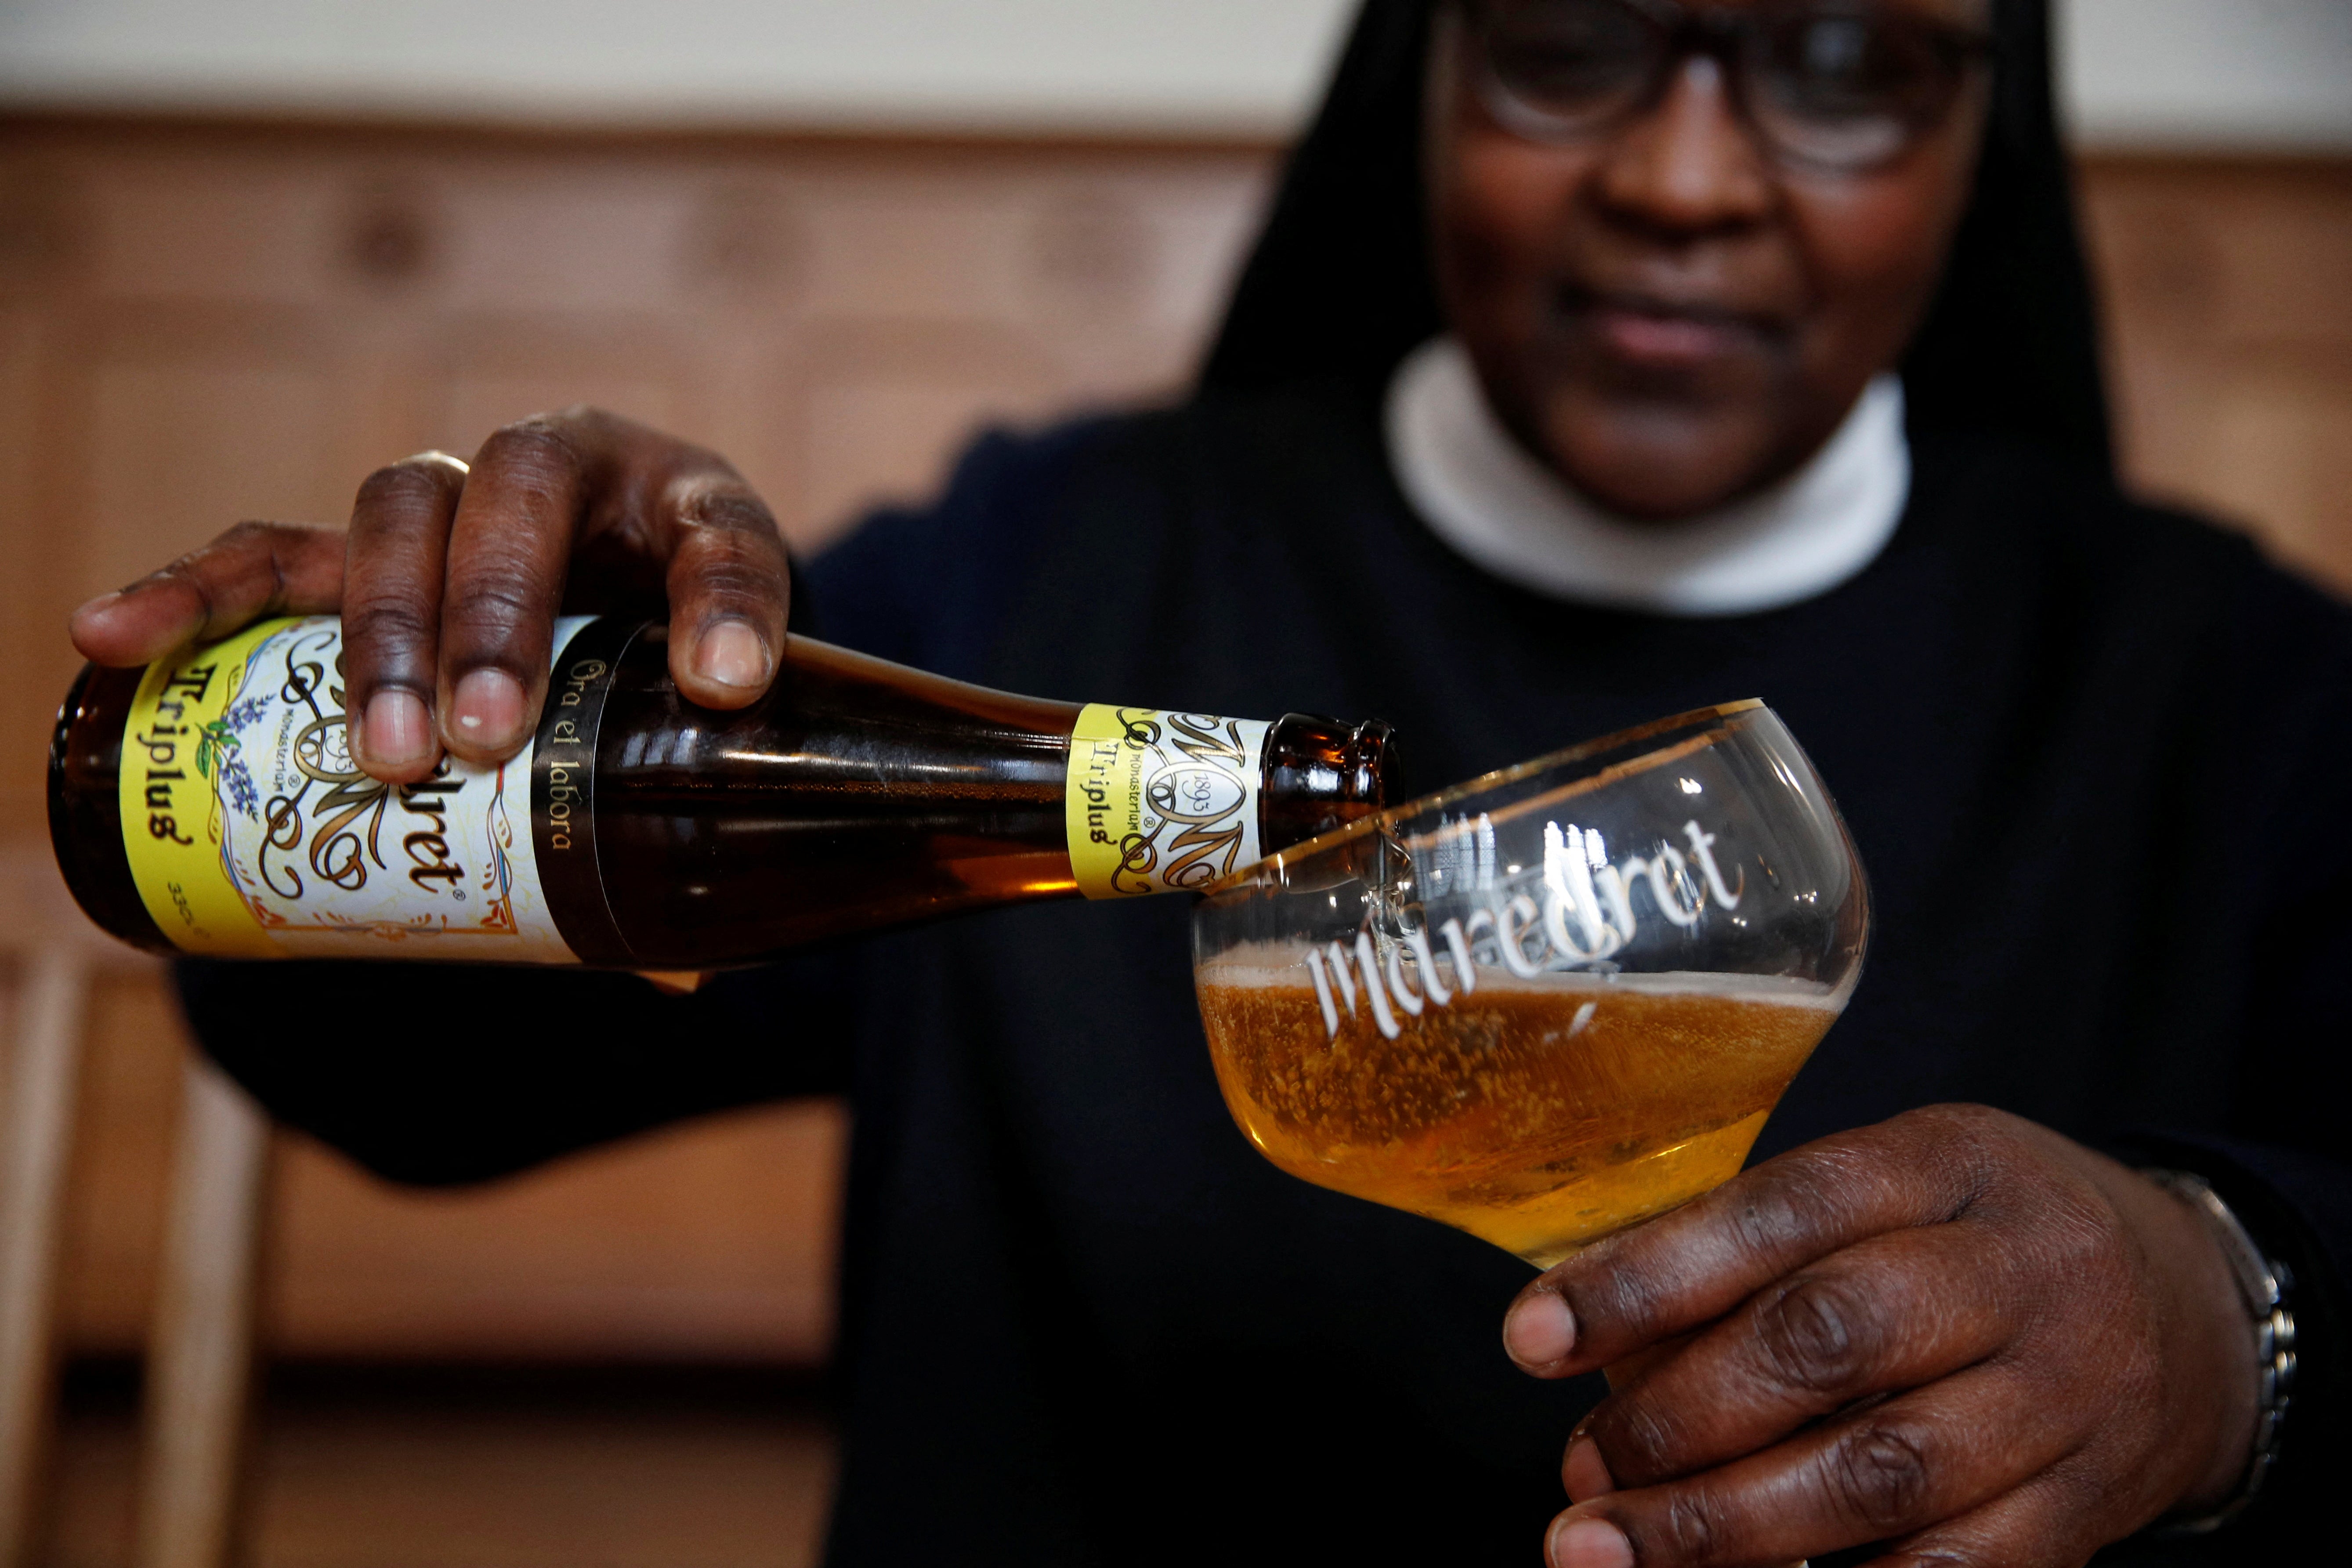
1549 1003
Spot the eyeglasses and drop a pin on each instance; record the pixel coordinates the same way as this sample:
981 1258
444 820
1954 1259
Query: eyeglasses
1838 85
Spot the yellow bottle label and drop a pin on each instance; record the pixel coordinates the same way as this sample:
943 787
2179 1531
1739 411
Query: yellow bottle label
1162 802
251 833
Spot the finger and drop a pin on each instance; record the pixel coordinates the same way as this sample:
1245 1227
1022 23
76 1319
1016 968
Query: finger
509 546
256 569
2054 1521
729 587
1877 1474
1627 1371
392 613
1890 1313
1688 1268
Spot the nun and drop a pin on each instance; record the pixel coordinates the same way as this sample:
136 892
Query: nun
1598 359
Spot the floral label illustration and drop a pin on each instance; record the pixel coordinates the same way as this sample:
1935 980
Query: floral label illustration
252 832
1161 802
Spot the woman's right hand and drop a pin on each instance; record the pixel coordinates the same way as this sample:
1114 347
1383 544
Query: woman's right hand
449 581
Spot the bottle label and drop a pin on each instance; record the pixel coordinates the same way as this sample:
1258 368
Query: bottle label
1162 802
562 767
251 833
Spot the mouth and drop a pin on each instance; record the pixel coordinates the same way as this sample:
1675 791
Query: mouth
1652 333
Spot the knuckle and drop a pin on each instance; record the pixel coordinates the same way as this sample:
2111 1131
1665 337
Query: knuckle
1972 1143
190 566
387 624
1879 1475
1688 1530
189 572
1821 1334
2074 1490
1639 1306
404 488
734 582
494 599
536 448
734 517
1796 1196
1641 1441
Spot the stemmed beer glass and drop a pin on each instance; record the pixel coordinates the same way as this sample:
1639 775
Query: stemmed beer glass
1550 1003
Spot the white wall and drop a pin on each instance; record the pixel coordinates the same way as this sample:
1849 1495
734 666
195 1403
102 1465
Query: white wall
2167 72
1217 64
2209 73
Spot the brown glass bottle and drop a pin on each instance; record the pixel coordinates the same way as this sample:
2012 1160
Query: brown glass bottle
857 794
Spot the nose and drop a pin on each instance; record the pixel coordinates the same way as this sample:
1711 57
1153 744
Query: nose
1690 165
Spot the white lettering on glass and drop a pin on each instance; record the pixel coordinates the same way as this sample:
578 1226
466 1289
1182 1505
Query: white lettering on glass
1576 910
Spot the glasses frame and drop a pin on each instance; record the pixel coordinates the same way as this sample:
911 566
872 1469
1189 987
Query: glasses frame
1738 42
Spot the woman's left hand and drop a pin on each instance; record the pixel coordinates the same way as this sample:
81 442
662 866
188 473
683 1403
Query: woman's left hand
1956 1332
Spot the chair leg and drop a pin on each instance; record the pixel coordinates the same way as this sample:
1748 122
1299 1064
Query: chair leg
37 1129
200 1356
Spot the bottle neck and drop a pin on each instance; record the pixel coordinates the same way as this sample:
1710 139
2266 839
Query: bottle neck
1321 775
1165 802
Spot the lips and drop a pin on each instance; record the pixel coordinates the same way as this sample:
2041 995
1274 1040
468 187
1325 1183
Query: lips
1657 335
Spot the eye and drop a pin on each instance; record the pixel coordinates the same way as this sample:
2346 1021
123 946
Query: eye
1841 66
1570 55
1834 46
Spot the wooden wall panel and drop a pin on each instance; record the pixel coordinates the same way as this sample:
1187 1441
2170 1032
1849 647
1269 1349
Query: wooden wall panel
2229 293
499 371
25 598
184 429
879 411
201 324
178 224
709 1242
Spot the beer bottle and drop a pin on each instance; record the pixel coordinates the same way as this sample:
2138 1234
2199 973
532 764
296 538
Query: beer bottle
210 805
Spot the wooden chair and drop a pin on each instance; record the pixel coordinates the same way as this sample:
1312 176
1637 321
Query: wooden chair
200 1336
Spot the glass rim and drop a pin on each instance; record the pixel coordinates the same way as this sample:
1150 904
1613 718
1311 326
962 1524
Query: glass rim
1388 816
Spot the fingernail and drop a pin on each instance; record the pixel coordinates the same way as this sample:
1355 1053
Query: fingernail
1589 1543
396 733
489 709
98 604
1539 1331
1586 1473
732 654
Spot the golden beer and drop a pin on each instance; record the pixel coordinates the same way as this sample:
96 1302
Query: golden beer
1537 1113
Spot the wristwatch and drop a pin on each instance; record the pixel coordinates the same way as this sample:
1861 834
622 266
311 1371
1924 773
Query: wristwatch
2265 1283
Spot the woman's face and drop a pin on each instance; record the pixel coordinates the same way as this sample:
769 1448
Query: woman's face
1667 313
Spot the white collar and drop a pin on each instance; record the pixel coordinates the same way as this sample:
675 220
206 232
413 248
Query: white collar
1481 492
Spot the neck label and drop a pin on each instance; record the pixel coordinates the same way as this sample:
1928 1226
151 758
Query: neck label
1162 802
251 832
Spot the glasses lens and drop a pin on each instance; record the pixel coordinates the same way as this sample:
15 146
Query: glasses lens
1573 63
1851 87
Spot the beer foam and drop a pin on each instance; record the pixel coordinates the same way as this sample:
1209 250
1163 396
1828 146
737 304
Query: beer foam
1265 965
